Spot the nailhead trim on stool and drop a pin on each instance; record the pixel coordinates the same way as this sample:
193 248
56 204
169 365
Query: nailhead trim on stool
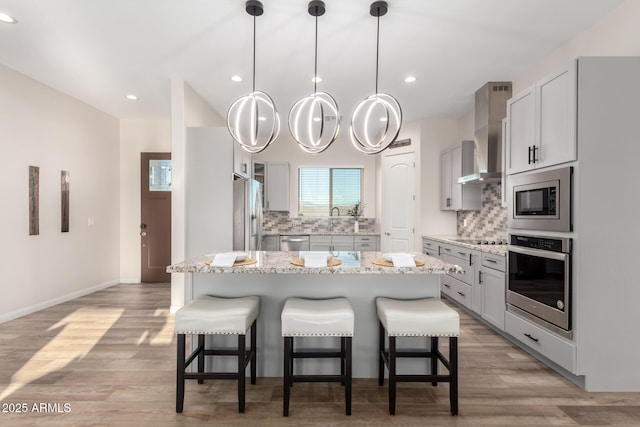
317 318
209 315
424 318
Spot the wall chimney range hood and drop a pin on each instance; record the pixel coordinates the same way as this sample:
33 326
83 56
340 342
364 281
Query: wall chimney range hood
490 109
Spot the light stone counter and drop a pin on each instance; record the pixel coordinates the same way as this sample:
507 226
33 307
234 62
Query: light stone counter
274 279
451 240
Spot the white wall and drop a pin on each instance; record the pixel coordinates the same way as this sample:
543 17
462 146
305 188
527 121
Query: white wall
340 154
46 128
136 136
436 135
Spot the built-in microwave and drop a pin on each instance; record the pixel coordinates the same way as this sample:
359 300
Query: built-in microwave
541 200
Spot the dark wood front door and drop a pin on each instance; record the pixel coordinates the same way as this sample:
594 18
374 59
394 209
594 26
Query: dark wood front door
155 226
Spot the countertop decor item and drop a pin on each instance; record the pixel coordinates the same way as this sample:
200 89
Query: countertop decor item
356 213
253 119
376 120
314 120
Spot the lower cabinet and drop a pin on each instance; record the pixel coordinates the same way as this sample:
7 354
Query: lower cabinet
319 243
457 290
343 243
270 243
365 243
549 345
491 287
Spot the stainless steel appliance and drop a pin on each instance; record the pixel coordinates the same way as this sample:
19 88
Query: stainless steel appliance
247 214
541 201
294 243
539 280
490 109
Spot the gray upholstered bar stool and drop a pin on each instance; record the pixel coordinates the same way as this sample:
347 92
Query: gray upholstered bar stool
418 318
317 318
208 315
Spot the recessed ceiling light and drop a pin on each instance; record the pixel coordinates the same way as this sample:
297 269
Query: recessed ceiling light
316 79
262 118
410 79
236 78
316 119
7 19
383 119
132 97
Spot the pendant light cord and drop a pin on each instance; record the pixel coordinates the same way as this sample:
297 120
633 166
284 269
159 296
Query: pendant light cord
377 52
254 53
315 67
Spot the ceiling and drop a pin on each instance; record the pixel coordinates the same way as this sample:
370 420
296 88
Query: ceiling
100 50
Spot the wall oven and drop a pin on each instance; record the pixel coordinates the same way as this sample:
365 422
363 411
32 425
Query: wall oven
539 280
541 201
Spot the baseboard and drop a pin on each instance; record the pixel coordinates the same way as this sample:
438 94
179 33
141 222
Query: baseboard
55 301
129 281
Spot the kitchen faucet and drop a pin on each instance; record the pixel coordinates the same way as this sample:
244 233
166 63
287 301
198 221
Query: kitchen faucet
331 220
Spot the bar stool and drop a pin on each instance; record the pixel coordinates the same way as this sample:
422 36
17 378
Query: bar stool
418 318
208 315
317 318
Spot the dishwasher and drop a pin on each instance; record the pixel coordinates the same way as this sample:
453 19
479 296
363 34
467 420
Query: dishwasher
294 243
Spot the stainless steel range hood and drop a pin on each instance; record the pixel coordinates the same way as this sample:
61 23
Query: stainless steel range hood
490 109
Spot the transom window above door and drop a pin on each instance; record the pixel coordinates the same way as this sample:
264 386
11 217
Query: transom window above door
322 190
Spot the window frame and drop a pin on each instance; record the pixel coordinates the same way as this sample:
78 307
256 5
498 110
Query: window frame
331 169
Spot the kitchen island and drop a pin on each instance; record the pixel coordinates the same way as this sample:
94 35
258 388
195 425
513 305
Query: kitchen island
274 279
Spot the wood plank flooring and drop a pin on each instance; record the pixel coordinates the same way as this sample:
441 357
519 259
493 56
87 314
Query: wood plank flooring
108 359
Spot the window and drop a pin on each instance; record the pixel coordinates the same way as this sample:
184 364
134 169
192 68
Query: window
322 189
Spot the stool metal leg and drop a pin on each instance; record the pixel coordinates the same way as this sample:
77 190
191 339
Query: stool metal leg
380 355
348 362
392 375
180 374
288 343
453 372
201 357
241 372
254 348
434 359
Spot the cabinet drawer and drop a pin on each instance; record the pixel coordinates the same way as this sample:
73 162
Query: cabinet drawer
497 262
430 252
544 342
320 240
365 239
341 240
469 271
458 291
431 244
447 249
365 247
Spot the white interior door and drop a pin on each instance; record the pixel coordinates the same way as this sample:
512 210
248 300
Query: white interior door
398 200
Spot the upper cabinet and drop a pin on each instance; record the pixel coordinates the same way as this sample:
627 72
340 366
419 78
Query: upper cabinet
274 177
541 129
241 161
454 196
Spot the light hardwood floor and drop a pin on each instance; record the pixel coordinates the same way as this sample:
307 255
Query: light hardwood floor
108 359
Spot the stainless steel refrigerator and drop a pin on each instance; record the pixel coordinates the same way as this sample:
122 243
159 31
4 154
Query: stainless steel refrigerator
247 215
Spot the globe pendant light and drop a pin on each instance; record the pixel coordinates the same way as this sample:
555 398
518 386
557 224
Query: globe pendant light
377 119
314 120
253 120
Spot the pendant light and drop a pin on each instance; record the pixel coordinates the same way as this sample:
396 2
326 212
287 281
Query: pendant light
377 119
314 120
253 120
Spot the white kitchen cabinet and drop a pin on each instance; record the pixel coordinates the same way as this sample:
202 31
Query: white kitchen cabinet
270 243
454 196
365 243
492 289
276 186
431 248
503 183
241 161
521 114
319 243
542 123
341 243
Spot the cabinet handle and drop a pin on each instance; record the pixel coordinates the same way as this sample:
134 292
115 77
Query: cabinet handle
446 286
462 253
448 202
529 160
461 293
531 338
447 249
491 260
534 154
480 277
470 260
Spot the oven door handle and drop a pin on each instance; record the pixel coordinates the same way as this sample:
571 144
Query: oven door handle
561 256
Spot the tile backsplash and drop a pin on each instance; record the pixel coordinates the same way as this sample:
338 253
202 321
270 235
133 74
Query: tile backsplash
276 222
490 221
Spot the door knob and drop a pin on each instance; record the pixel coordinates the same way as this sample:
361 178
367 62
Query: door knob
387 233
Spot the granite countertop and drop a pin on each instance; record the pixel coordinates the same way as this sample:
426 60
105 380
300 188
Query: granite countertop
453 240
317 233
279 262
